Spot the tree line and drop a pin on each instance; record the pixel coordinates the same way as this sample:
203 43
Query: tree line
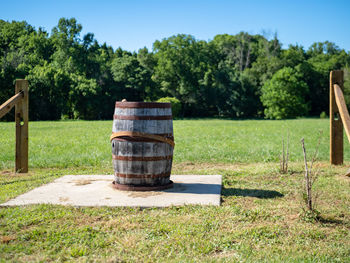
233 76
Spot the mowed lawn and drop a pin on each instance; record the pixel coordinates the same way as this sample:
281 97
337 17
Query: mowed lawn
261 217
86 143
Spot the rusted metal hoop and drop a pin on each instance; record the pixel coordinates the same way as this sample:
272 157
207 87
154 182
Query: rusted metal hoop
142 135
129 104
145 118
142 158
127 187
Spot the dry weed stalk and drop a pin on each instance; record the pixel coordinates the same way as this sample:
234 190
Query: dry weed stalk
310 176
285 157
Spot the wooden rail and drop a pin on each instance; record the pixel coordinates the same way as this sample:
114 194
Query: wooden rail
343 110
8 105
20 101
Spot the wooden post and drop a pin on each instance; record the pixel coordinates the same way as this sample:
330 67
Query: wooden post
336 126
21 116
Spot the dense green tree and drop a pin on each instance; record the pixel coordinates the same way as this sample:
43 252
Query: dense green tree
148 61
347 85
109 91
131 77
323 57
237 76
236 95
175 105
49 90
79 59
293 56
83 97
239 51
284 95
21 48
184 71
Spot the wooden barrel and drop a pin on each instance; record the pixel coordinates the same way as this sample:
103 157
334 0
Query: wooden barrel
142 145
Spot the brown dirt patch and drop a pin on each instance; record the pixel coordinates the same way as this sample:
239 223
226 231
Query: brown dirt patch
7 239
82 182
64 199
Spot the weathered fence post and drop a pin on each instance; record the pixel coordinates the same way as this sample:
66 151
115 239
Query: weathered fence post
336 125
21 116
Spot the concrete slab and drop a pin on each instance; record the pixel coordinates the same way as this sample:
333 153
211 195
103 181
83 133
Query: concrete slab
97 190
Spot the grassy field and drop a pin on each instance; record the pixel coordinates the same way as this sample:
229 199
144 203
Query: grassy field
261 217
83 143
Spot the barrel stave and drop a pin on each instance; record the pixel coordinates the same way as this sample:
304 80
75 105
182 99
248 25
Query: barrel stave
148 172
143 112
142 168
141 161
143 181
146 149
145 126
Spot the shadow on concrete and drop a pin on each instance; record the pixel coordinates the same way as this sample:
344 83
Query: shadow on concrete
258 193
195 188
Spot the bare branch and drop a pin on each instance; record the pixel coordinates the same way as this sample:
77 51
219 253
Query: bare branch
287 152
307 178
283 155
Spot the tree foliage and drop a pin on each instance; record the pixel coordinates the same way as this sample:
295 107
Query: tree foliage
284 95
236 76
175 105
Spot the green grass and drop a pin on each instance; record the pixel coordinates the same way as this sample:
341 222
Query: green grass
260 219
86 143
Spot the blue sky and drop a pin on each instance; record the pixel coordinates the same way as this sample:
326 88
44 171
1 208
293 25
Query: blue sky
134 24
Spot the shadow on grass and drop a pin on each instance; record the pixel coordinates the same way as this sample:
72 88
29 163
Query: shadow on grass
258 193
332 221
18 179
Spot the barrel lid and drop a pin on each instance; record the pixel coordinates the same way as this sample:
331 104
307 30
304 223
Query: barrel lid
134 104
